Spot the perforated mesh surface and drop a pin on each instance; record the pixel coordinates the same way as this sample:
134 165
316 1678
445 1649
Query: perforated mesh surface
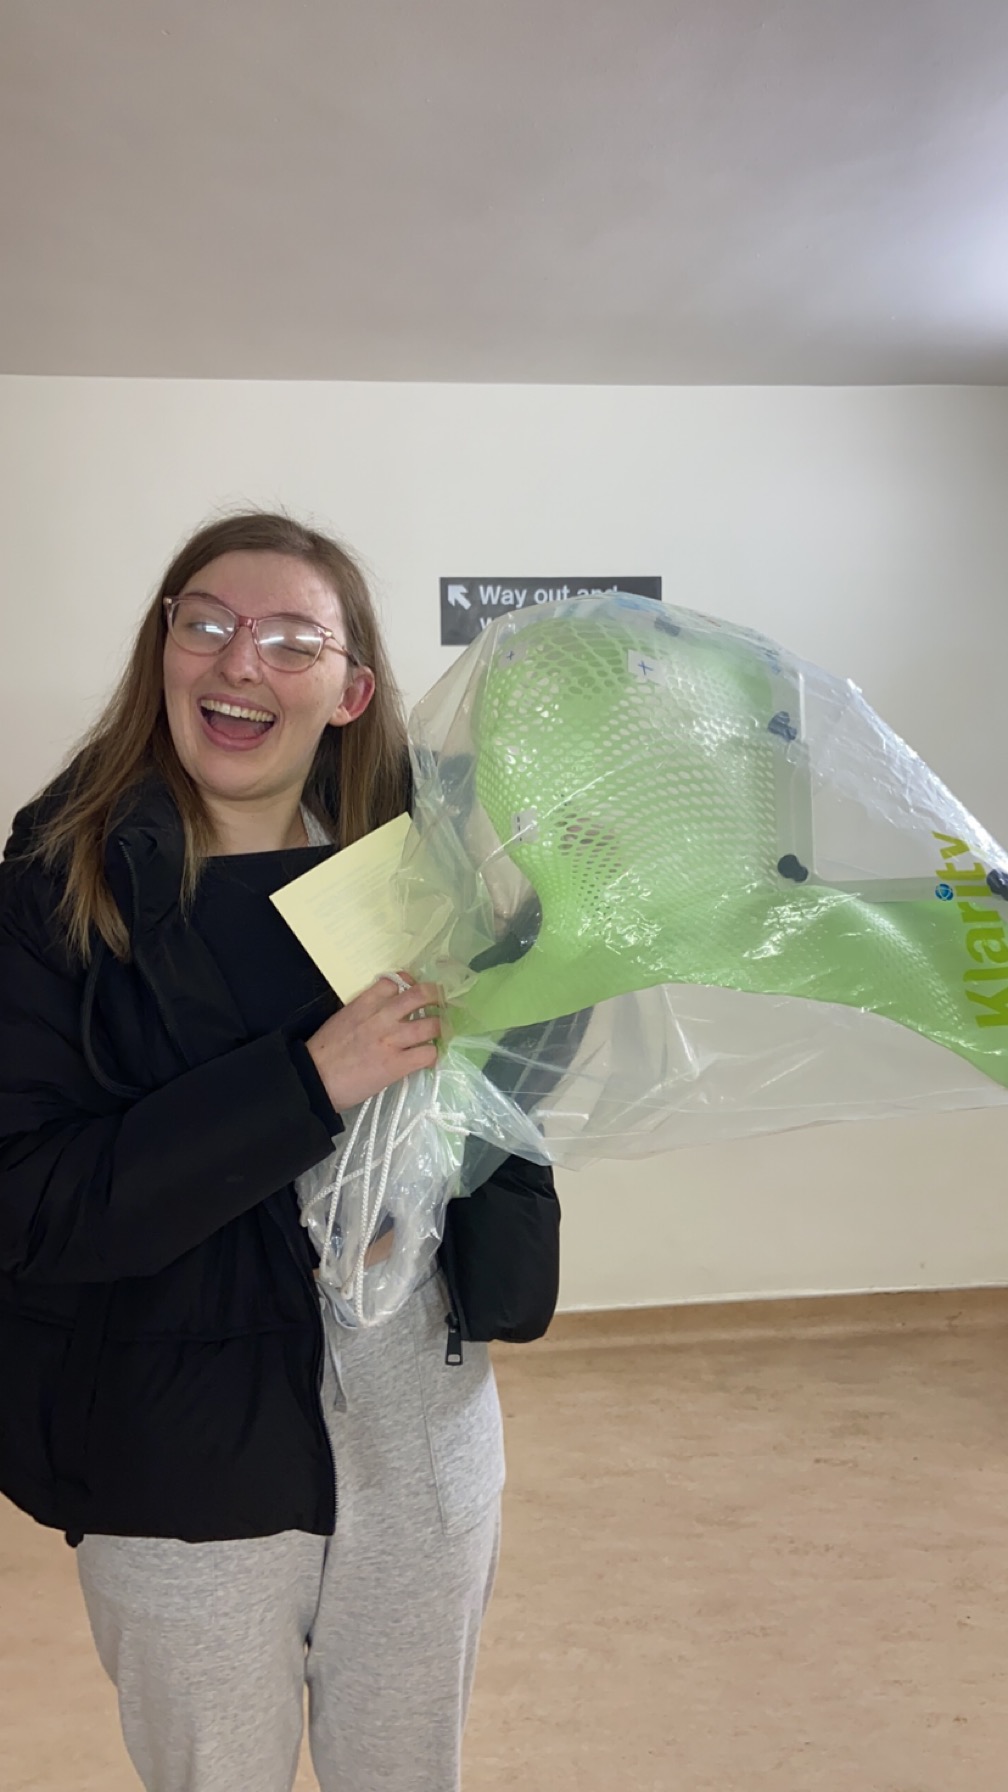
644 762
629 771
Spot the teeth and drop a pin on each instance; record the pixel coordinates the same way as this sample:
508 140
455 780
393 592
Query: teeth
237 709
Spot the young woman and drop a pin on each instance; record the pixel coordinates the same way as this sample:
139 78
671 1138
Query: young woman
261 1500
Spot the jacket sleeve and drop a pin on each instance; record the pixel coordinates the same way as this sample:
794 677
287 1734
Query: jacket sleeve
92 1189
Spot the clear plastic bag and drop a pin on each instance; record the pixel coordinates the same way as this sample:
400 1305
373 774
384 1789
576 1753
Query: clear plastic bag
677 886
375 1208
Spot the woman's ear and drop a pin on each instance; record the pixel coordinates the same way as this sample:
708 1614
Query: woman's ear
355 699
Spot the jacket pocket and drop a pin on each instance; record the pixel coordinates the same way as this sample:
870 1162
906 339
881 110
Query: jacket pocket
76 1395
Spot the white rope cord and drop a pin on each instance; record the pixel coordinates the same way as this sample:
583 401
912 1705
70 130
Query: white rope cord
335 1188
372 1196
371 1210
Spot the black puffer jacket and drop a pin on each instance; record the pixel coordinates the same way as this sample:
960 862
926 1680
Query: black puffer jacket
160 1331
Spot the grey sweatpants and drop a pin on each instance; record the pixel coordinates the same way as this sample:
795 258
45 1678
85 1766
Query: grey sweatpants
211 1645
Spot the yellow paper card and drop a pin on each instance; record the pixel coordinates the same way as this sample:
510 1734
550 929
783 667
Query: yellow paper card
345 914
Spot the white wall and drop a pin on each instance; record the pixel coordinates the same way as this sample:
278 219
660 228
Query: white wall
866 528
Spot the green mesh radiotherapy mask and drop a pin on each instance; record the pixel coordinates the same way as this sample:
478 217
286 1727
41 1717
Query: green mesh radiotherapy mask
667 788
678 886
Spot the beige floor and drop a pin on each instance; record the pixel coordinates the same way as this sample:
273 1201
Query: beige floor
745 1549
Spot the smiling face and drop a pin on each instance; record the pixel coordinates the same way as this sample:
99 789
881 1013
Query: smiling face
260 757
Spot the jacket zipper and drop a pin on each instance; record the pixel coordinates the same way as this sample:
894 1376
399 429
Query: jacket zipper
321 1345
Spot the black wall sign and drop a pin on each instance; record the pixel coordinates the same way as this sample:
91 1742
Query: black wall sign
469 605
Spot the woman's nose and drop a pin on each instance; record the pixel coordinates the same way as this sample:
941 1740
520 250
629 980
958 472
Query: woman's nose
240 658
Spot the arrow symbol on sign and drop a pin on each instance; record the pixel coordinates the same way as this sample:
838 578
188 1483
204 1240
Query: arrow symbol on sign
458 594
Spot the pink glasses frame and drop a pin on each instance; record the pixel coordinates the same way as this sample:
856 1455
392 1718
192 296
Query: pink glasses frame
253 624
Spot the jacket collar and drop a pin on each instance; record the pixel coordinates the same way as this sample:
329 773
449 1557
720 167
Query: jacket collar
144 865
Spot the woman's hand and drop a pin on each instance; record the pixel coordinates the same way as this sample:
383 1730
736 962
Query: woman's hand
373 1042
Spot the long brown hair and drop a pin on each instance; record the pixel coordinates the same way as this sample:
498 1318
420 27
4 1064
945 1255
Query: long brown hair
358 780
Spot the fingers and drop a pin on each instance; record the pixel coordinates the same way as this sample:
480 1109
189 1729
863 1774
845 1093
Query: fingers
398 992
415 999
398 979
420 997
418 1032
381 1036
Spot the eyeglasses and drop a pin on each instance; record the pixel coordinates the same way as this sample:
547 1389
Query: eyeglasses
204 625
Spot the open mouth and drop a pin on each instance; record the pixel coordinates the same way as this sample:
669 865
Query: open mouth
237 722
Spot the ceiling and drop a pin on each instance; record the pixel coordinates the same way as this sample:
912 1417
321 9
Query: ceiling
657 191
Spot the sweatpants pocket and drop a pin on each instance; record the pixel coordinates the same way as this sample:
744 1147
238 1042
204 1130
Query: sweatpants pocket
462 1415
